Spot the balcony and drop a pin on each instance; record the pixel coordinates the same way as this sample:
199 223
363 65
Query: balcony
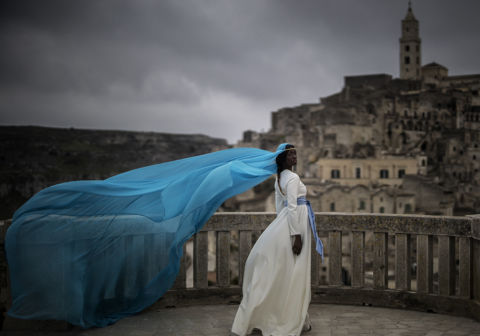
418 263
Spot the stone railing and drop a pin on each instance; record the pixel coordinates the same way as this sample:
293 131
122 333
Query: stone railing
427 263
400 261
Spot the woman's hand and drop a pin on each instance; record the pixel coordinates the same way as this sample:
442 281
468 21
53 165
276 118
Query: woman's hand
297 245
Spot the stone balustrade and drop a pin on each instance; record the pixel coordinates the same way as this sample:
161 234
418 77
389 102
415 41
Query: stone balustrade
427 263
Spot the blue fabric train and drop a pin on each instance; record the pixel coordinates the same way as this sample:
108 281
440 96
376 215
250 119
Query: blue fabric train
92 252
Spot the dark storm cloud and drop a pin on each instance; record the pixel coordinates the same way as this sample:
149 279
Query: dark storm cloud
199 66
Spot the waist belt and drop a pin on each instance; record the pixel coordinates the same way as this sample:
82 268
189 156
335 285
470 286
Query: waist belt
311 220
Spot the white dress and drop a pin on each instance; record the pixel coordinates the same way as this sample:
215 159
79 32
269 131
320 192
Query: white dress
276 283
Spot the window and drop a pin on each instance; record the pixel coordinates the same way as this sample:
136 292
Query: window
384 173
332 206
407 48
408 208
382 210
474 157
401 173
418 60
358 172
417 48
407 59
335 174
361 206
423 163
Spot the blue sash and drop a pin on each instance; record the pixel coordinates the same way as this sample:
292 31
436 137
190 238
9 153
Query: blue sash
311 218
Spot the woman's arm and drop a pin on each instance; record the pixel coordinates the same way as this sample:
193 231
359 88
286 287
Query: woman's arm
279 205
292 217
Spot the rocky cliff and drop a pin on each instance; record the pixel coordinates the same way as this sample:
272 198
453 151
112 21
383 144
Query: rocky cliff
32 158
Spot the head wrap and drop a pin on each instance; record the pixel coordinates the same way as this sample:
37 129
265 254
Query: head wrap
92 252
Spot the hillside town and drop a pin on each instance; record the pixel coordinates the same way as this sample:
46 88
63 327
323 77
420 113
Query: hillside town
383 144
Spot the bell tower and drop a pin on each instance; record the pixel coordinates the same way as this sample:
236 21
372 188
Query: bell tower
410 47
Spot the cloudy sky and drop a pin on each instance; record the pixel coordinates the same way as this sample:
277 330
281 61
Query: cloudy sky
215 67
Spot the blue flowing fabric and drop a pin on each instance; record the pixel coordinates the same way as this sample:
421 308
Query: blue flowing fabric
92 252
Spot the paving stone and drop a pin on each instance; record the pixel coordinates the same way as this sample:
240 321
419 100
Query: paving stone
327 320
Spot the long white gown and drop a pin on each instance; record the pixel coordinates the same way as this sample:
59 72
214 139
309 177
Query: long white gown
276 283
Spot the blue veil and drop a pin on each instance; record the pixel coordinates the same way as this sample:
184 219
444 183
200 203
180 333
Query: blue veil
92 252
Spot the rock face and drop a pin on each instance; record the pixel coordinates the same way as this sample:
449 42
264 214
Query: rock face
33 158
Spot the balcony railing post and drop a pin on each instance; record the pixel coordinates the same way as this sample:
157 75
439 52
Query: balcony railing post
148 256
200 260
180 281
402 261
475 233
465 267
244 247
335 258
476 269
358 258
380 260
223 258
446 265
424 263
5 293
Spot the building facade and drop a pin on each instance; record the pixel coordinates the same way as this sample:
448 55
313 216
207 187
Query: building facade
379 130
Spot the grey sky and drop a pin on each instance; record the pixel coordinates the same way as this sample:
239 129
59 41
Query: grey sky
212 67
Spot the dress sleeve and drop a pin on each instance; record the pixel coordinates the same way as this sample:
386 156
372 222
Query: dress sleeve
279 200
292 194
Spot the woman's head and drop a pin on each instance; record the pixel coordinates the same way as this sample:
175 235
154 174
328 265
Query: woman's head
286 160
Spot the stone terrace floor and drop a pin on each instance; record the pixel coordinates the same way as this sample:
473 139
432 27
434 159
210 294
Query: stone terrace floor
326 320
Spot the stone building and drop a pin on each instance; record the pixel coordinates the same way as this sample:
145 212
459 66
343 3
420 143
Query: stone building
386 171
424 123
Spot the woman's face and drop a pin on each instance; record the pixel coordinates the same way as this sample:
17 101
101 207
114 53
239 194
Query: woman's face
291 158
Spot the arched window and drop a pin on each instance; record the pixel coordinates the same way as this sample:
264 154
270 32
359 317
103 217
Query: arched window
382 210
361 206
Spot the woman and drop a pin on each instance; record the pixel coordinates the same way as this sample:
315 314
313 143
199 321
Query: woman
276 285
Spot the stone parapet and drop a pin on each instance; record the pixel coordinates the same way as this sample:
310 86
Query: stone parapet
429 263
